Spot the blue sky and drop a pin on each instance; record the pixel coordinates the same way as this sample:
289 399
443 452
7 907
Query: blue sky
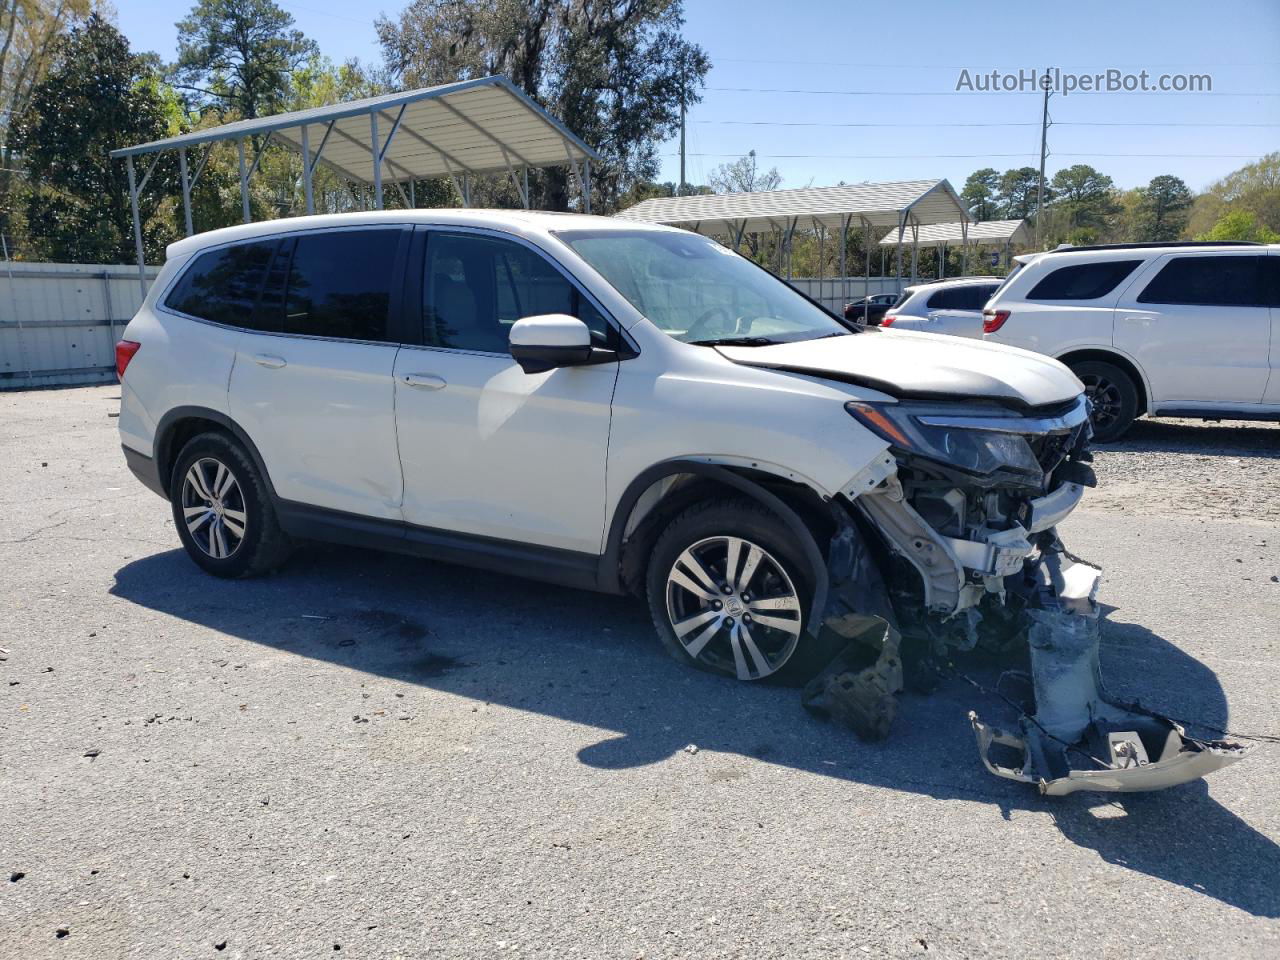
898 64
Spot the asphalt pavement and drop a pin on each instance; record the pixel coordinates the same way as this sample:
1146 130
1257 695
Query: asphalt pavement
373 756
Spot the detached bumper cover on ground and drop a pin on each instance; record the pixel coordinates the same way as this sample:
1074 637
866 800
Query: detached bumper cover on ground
1079 738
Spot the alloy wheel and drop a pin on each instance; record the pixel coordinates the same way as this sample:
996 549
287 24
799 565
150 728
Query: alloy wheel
733 607
1104 398
213 508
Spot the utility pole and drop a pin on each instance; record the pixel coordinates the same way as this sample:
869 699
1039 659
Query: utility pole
680 187
1044 150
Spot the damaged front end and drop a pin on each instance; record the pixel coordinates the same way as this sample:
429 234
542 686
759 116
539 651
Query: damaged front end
965 505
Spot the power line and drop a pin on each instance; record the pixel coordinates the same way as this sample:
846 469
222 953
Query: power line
962 66
970 156
988 93
1056 123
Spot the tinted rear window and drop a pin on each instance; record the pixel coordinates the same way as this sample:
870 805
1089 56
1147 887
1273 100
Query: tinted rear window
1206 281
222 285
968 297
332 285
1083 281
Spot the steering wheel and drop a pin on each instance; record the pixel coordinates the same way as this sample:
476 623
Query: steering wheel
699 329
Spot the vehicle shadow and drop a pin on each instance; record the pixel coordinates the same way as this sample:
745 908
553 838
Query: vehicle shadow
1236 438
593 660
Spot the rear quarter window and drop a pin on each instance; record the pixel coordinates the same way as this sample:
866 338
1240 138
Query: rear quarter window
1083 281
1207 281
222 285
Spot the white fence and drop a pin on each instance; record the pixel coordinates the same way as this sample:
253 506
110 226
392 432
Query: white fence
59 322
834 293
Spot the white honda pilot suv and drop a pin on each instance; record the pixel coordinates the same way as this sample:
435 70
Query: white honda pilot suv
612 406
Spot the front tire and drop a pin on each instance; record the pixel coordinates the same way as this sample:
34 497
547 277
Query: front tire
222 509
729 592
1113 397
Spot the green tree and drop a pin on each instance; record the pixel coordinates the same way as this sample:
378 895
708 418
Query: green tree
239 55
743 176
980 193
1163 207
1018 192
1084 197
29 34
1240 225
614 73
1254 187
96 97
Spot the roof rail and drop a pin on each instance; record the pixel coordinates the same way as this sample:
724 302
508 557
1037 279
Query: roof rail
1068 248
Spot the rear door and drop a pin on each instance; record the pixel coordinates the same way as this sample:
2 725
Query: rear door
1198 325
957 311
312 382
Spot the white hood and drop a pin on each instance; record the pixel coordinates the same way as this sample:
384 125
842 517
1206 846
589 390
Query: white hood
912 365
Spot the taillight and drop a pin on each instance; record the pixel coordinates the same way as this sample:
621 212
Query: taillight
887 320
125 350
993 320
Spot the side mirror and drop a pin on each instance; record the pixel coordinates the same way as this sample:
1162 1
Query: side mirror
549 341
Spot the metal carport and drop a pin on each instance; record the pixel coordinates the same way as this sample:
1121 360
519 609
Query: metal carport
458 130
903 207
1002 234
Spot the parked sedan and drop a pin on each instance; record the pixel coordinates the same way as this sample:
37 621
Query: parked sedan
953 307
870 309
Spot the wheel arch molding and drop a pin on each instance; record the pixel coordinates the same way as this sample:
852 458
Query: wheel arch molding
1121 360
181 423
610 576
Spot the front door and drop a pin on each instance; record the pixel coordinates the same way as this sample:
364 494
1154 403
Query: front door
312 383
1198 326
487 449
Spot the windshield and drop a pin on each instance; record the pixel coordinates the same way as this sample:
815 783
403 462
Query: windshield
698 291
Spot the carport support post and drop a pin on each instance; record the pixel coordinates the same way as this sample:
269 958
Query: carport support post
915 248
866 281
586 185
186 189
902 226
821 239
377 160
941 251
306 172
244 181
964 248
844 272
137 225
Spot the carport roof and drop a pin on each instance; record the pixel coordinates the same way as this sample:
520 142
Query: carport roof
485 125
878 204
987 233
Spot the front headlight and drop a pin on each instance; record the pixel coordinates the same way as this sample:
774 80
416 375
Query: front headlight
972 449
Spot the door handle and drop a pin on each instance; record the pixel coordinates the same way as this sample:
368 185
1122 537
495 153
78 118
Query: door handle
269 360
424 381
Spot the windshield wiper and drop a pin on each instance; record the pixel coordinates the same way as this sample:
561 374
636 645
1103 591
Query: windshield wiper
735 342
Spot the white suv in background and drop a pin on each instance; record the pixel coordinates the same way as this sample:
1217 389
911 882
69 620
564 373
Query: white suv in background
1173 330
953 307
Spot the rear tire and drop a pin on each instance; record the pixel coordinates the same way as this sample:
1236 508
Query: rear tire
747 622
222 509
1113 395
